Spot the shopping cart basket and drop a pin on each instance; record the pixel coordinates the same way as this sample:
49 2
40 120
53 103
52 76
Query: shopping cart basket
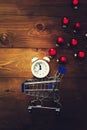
45 91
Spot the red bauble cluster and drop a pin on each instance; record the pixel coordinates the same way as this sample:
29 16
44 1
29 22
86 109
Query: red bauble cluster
73 43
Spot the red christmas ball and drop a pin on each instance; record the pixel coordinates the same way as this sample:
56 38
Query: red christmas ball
65 21
81 54
77 25
63 59
74 42
75 2
60 40
52 52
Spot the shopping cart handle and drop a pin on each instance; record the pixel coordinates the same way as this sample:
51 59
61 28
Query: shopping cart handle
62 69
22 87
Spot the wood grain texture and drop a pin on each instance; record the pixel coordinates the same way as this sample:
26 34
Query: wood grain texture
17 62
40 8
32 28
32 32
28 34
32 24
12 101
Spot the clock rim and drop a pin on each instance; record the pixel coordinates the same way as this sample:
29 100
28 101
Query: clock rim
36 63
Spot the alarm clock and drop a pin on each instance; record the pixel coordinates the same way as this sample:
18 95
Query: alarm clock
40 67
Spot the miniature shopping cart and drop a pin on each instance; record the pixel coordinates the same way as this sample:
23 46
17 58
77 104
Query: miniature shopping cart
45 91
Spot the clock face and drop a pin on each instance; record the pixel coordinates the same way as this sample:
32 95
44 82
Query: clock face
40 68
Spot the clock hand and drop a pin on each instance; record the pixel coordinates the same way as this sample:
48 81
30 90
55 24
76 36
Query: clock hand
39 66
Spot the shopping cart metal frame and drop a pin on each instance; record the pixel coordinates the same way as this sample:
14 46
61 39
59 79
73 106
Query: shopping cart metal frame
45 91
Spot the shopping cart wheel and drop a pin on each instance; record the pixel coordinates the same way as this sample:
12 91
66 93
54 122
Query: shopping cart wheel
33 103
30 109
57 111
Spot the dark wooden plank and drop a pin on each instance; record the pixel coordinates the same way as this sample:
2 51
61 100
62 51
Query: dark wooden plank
24 3
58 11
13 106
51 8
30 2
11 87
7 1
43 8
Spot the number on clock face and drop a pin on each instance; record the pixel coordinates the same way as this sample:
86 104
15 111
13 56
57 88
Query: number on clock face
40 69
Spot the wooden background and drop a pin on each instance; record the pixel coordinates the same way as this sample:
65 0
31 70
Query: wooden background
31 28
